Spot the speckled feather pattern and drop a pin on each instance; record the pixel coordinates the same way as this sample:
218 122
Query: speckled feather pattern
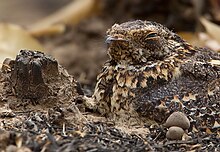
153 72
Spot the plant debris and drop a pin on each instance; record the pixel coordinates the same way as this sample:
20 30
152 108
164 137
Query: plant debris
54 117
57 123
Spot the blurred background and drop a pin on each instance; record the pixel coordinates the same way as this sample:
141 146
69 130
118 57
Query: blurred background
73 31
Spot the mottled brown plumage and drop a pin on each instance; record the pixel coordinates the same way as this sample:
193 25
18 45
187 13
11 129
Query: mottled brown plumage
153 72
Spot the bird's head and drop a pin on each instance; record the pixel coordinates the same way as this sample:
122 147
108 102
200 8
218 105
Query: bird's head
137 42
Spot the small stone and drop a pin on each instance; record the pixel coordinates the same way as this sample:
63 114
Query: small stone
23 149
178 119
175 133
11 148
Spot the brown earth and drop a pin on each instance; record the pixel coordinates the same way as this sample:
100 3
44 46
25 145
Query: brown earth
54 118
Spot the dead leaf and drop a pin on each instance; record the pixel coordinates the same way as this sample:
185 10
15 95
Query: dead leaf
191 37
216 125
212 29
71 14
50 31
209 42
13 38
194 147
208 131
215 62
194 129
201 39
19 140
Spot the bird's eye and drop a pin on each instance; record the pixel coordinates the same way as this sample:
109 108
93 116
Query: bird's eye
151 35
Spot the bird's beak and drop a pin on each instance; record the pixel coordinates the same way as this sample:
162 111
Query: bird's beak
111 39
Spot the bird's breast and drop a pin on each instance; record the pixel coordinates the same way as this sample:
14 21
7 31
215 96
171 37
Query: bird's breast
118 85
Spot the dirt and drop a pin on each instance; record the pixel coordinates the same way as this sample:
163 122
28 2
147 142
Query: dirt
54 118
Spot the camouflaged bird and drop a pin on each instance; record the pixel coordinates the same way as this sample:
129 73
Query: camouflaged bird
153 72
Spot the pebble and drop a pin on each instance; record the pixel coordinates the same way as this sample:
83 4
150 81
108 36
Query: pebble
11 148
23 149
175 133
178 119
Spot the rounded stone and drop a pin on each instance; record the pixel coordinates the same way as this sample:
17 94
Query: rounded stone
11 148
178 119
175 133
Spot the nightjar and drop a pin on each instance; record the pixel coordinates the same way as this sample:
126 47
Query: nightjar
153 72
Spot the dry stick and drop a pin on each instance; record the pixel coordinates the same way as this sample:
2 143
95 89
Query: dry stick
71 14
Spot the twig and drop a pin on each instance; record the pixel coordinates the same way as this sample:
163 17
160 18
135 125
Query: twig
71 14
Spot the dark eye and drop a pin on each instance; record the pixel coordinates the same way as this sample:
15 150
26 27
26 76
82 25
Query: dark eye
151 35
